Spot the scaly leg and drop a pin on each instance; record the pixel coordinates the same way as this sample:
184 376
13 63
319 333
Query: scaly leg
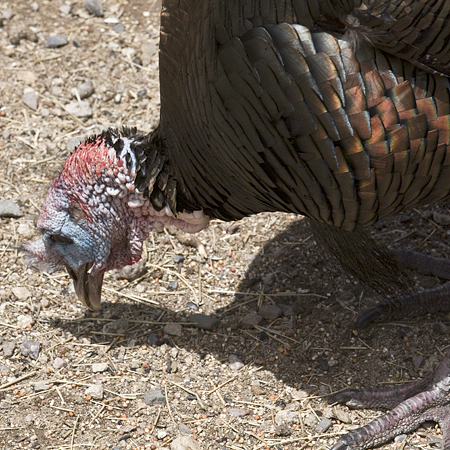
426 399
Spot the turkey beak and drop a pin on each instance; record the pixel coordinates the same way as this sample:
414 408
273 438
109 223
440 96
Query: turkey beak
88 287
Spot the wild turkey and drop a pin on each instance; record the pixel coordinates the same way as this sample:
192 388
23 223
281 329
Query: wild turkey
335 110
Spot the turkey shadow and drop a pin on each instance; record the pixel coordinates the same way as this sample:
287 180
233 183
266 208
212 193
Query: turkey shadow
294 316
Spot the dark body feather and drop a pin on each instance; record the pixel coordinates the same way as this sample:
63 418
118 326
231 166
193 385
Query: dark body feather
260 114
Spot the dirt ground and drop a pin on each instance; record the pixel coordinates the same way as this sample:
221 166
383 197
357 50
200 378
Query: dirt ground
58 397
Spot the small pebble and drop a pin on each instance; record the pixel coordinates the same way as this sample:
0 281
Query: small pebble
24 321
8 348
417 361
250 320
298 394
204 322
74 142
174 329
400 438
56 41
323 425
192 305
30 349
154 397
235 363
85 89
178 259
99 367
161 434
173 285
256 388
9 209
184 429
41 386
238 412
184 443
269 280
21 292
270 312
59 363
29 98
288 417
341 415
79 109
95 391
119 28
94 7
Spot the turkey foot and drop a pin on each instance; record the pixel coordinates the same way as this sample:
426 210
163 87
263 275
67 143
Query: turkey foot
412 403
424 302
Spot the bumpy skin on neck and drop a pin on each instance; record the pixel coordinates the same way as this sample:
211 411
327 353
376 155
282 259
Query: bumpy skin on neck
95 219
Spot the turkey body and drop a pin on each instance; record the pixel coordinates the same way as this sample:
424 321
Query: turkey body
339 111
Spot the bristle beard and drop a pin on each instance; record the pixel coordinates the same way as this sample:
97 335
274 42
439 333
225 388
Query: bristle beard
363 258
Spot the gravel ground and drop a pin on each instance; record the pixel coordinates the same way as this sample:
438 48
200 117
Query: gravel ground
139 373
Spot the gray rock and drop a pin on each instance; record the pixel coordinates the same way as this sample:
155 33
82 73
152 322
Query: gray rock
184 443
30 99
59 363
41 386
178 259
161 434
85 89
174 329
269 280
417 361
56 41
99 367
8 15
21 292
95 391
184 429
286 417
341 415
30 349
154 397
192 305
74 142
310 420
94 7
9 209
298 395
238 412
119 326
204 322
79 109
270 312
250 320
24 321
323 425
173 285
256 388
235 363
8 348
119 28
400 438
25 230
282 430
3 369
